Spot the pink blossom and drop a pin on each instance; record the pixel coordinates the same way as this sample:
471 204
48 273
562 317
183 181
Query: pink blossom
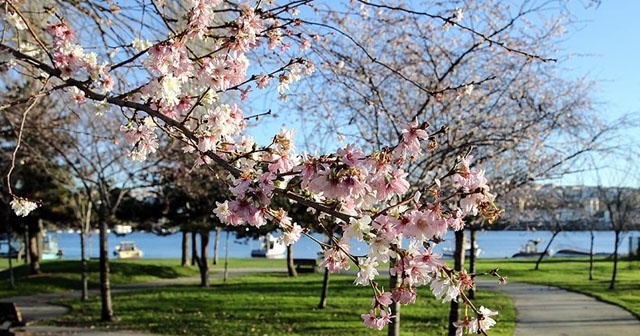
378 323
351 155
336 259
404 295
262 81
412 135
385 299
292 235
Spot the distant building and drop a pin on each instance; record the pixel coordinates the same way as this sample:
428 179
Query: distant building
548 206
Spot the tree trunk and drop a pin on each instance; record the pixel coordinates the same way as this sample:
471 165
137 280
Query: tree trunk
473 234
458 262
185 249
325 290
27 244
105 285
216 246
546 249
203 264
84 274
591 255
226 259
394 325
291 268
612 285
194 248
12 280
35 243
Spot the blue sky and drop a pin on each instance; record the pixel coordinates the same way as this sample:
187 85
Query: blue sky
605 43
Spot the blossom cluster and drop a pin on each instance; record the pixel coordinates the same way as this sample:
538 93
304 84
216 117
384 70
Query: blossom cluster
22 207
367 194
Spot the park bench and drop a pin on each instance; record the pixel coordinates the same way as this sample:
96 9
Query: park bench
9 317
305 265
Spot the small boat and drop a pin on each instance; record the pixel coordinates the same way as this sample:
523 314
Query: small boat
270 248
122 230
127 250
50 250
530 250
450 251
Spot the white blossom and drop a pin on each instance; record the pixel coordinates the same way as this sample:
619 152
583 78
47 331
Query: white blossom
22 206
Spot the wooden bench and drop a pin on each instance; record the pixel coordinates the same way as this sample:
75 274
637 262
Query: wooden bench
9 317
305 265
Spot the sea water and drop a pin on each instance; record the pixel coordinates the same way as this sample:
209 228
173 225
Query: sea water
494 244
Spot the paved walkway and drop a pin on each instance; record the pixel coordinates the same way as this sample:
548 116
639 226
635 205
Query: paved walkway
550 311
540 310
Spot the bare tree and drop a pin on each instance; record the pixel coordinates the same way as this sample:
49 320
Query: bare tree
623 207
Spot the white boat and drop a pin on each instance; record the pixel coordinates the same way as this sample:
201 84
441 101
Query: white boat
270 248
121 230
530 250
450 251
50 250
127 250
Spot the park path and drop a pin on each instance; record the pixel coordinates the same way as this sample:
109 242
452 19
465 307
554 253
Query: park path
540 310
551 311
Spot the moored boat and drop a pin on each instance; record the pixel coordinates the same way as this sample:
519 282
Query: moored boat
449 251
530 250
122 230
270 248
50 250
127 250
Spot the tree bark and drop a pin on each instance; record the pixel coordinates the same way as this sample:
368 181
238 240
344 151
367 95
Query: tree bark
591 255
291 268
85 224
546 249
458 262
473 235
394 325
226 259
325 290
203 264
35 243
105 285
612 284
185 249
216 246
194 248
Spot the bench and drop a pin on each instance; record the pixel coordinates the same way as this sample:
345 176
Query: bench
305 265
9 317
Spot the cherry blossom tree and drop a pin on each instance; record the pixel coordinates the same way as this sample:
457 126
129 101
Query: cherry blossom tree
498 87
170 80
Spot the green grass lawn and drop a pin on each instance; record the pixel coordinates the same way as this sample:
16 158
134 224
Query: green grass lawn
64 275
573 274
272 304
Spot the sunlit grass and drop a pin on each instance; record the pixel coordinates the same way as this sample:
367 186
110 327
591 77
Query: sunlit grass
272 304
64 275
